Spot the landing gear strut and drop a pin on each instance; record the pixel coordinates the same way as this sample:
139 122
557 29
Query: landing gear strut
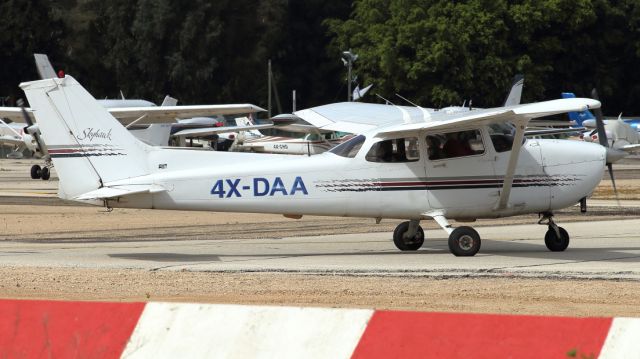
408 236
463 241
556 239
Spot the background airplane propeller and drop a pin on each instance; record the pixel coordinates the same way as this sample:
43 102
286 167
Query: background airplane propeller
613 155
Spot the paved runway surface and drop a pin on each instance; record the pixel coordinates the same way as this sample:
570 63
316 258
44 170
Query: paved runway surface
602 250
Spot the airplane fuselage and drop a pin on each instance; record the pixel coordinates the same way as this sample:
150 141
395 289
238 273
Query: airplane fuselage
551 174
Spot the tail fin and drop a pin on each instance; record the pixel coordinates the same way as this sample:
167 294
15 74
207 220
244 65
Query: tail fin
515 94
45 70
169 101
578 117
157 134
88 146
243 121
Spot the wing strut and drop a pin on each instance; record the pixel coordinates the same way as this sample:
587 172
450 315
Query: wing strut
518 138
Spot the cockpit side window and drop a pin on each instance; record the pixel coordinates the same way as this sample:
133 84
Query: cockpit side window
396 150
454 144
349 148
501 136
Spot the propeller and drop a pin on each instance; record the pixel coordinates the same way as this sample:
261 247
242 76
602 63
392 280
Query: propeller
32 128
612 154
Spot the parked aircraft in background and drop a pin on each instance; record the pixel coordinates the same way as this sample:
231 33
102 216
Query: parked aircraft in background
146 121
391 170
619 133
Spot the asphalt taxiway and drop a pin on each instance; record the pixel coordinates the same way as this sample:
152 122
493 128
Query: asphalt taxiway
598 250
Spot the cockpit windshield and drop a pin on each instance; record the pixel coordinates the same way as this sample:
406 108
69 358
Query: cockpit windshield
350 148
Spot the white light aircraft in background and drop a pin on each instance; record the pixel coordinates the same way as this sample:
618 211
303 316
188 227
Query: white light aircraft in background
148 123
394 169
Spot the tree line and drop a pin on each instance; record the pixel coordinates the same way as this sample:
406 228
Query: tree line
434 52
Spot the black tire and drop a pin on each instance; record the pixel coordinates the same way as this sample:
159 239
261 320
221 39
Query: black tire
464 242
410 244
554 243
45 173
36 172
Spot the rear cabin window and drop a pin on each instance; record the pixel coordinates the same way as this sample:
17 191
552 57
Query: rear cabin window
454 144
350 148
396 150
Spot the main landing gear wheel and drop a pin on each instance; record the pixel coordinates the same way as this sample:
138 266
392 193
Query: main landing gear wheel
407 244
554 242
36 172
45 174
464 242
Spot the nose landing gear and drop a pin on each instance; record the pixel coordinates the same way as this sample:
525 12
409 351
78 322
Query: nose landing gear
556 239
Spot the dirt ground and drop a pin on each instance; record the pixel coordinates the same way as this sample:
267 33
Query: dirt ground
496 295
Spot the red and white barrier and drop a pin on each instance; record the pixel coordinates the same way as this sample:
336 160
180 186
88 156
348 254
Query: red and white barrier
49 329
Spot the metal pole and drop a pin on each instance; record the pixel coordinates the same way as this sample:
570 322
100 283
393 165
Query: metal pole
294 101
269 85
349 82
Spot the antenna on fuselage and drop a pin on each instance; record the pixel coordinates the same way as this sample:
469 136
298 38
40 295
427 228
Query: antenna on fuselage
425 114
385 100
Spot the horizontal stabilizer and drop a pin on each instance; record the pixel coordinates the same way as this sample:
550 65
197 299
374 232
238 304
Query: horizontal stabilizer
119 191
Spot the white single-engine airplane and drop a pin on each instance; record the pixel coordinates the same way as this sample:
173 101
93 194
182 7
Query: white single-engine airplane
442 166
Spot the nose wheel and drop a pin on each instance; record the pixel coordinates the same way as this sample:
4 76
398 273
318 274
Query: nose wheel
464 242
408 236
557 238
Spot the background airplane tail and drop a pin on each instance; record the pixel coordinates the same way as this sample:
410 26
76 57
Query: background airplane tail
88 146
578 117
157 134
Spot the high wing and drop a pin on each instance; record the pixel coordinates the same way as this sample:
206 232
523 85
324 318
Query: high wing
207 131
552 131
15 114
521 114
149 115
355 117
634 148
167 114
11 140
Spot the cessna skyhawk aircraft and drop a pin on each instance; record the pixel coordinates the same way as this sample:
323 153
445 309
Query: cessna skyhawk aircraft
405 164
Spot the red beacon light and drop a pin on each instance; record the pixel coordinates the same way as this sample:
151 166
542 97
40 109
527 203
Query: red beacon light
61 74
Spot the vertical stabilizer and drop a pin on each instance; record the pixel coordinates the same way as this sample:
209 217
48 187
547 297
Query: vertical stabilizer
87 145
45 70
157 134
578 117
515 94
169 101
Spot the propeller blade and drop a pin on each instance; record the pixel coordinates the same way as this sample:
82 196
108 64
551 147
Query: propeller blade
613 182
602 134
27 118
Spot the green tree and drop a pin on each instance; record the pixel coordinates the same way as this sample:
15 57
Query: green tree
26 27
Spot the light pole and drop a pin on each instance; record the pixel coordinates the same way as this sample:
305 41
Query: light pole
348 58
